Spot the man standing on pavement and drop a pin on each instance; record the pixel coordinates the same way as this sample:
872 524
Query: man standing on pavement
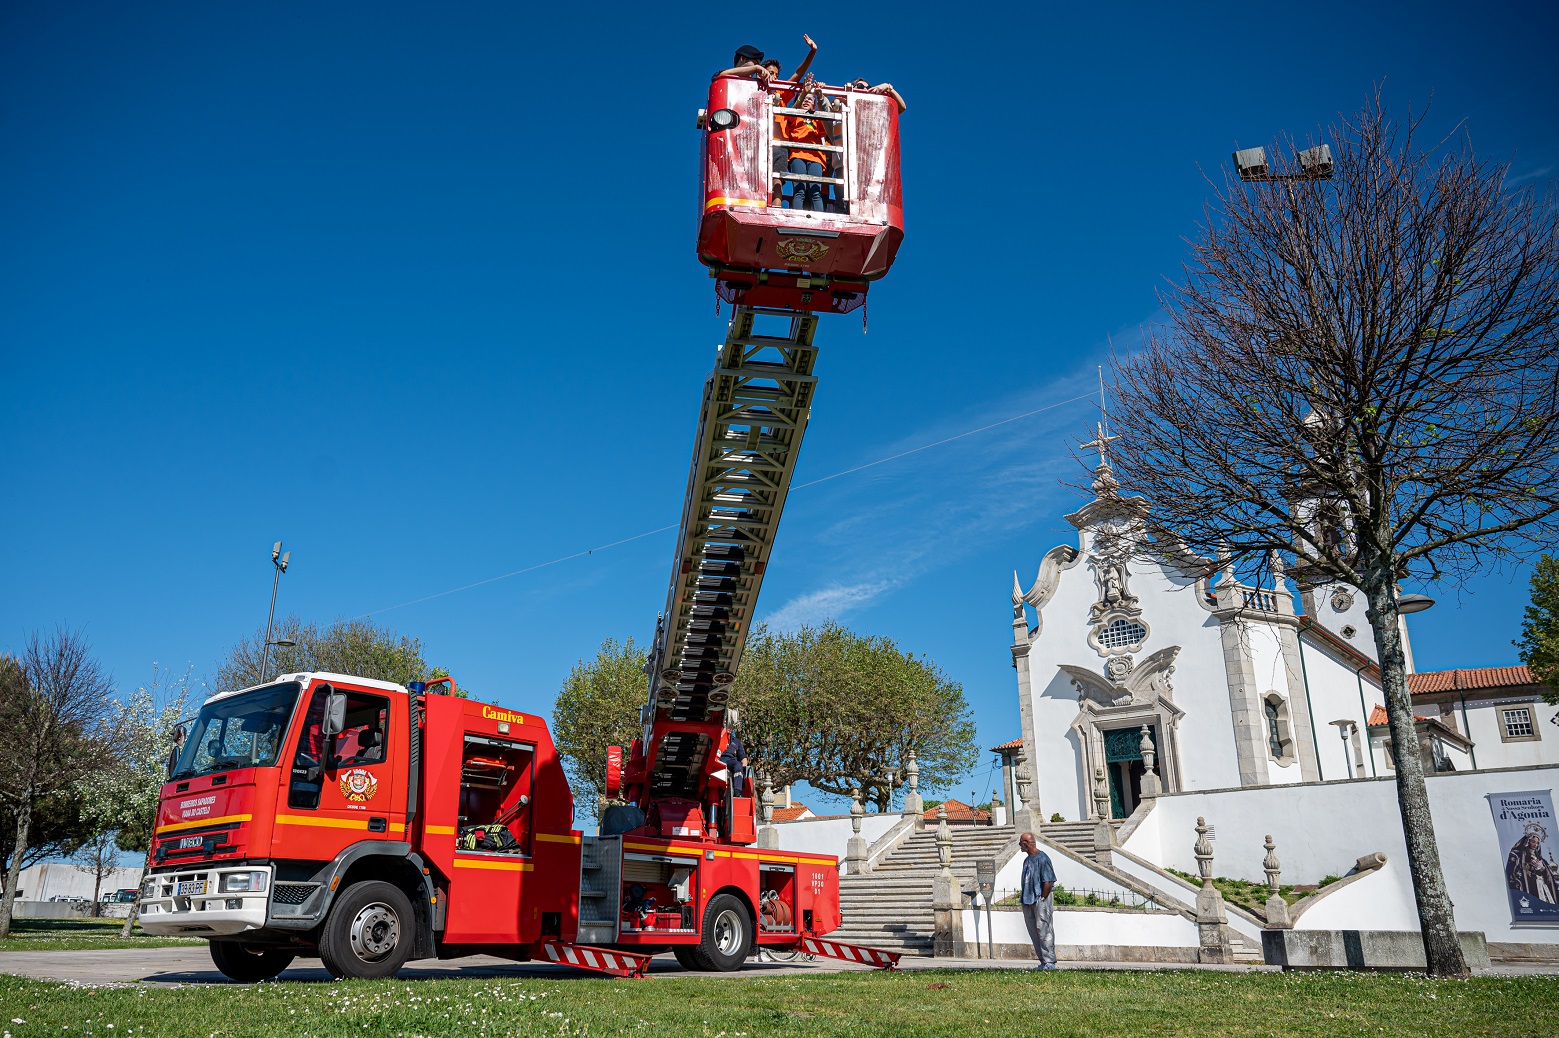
1039 905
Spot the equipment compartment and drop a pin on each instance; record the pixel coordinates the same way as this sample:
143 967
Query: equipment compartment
659 894
776 898
495 788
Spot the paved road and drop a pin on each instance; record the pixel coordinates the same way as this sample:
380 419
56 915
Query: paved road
192 965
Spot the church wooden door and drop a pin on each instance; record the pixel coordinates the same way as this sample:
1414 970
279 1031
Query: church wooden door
1123 764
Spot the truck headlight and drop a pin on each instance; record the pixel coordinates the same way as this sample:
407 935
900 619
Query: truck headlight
149 888
238 882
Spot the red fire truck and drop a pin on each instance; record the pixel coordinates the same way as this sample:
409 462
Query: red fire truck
368 822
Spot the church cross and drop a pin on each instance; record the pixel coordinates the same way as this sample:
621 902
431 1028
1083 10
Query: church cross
1101 443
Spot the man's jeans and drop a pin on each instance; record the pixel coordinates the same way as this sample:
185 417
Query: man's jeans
1040 919
806 194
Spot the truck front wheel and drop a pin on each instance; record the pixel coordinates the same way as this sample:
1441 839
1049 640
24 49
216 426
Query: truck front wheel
726 936
249 965
369 932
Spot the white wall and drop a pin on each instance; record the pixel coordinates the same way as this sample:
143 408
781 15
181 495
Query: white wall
1334 695
1322 828
62 879
1493 752
1150 929
831 835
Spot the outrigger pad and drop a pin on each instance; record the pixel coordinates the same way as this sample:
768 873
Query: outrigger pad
883 960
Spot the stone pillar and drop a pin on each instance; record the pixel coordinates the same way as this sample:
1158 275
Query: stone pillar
1103 831
1277 909
1025 818
998 809
1212 920
947 897
1150 785
913 804
768 836
855 850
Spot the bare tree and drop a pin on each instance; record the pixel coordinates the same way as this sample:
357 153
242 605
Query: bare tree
98 857
1363 374
54 732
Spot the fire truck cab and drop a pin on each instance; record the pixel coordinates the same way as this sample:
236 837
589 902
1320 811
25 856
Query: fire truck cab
368 823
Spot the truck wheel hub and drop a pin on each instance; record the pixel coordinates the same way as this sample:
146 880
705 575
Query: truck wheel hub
375 931
728 932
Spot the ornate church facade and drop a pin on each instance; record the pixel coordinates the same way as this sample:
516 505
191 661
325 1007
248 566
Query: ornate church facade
1143 669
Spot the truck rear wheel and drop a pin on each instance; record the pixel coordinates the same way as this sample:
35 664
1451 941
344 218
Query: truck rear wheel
726 936
369 932
249 965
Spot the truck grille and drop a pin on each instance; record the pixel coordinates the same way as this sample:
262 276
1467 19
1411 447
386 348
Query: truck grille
293 893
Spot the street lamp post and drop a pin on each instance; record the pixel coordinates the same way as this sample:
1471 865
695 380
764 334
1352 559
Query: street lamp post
279 560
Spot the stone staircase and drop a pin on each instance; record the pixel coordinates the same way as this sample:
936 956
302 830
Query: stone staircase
1076 837
890 908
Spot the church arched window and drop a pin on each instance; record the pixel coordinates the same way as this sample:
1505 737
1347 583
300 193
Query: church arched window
1280 738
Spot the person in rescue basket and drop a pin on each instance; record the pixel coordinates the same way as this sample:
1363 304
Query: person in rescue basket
747 64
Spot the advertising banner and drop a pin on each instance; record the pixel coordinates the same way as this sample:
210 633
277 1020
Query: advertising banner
1528 839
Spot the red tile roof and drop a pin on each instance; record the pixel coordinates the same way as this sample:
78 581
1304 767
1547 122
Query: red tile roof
792 813
1378 718
957 811
1010 744
1464 680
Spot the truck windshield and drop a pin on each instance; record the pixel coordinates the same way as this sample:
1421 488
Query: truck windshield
244 731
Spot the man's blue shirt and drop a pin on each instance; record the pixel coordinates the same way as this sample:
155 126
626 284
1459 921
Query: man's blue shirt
1037 871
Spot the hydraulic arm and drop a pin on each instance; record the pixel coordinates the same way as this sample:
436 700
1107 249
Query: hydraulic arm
756 404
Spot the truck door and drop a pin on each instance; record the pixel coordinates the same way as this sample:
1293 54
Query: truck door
344 788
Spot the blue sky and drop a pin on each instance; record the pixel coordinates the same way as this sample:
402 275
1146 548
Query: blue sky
412 288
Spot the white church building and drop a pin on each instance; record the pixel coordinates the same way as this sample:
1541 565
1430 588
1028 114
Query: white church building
1140 662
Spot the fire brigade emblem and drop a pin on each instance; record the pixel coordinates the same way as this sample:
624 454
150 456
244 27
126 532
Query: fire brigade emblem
801 250
359 785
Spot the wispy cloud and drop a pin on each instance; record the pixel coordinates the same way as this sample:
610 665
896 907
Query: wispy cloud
1531 174
828 603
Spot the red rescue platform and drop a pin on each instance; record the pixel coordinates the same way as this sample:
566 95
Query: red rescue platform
763 251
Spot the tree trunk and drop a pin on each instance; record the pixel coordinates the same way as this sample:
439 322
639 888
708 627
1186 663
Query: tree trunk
14 875
135 906
1442 951
97 889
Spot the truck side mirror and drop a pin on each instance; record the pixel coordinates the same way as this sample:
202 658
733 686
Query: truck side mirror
179 735
335 711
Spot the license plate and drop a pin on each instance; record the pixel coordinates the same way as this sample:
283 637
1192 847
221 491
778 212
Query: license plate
191 842
189 888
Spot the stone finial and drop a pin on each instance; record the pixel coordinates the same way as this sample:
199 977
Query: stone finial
1277 908
1150 783
1215 943
1279 571
1204 853
768 836
1271 866
855 848
1101 794
913 804
944 841
1020 777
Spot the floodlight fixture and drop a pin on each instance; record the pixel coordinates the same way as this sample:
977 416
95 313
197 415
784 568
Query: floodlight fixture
1314 164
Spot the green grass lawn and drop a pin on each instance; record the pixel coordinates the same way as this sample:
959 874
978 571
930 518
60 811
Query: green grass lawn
80 934
913 1003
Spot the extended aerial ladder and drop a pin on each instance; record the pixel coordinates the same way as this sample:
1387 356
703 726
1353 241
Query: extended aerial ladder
756 404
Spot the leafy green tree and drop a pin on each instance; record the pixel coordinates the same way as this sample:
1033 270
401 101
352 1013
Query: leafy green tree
56 831
842 710
358 647
598 706
1539 643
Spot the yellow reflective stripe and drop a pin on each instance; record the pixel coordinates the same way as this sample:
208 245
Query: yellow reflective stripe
761 203
174 827
335 823
502 866
554 838
439 830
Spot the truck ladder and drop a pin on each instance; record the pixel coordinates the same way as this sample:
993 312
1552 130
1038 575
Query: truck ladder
756 404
